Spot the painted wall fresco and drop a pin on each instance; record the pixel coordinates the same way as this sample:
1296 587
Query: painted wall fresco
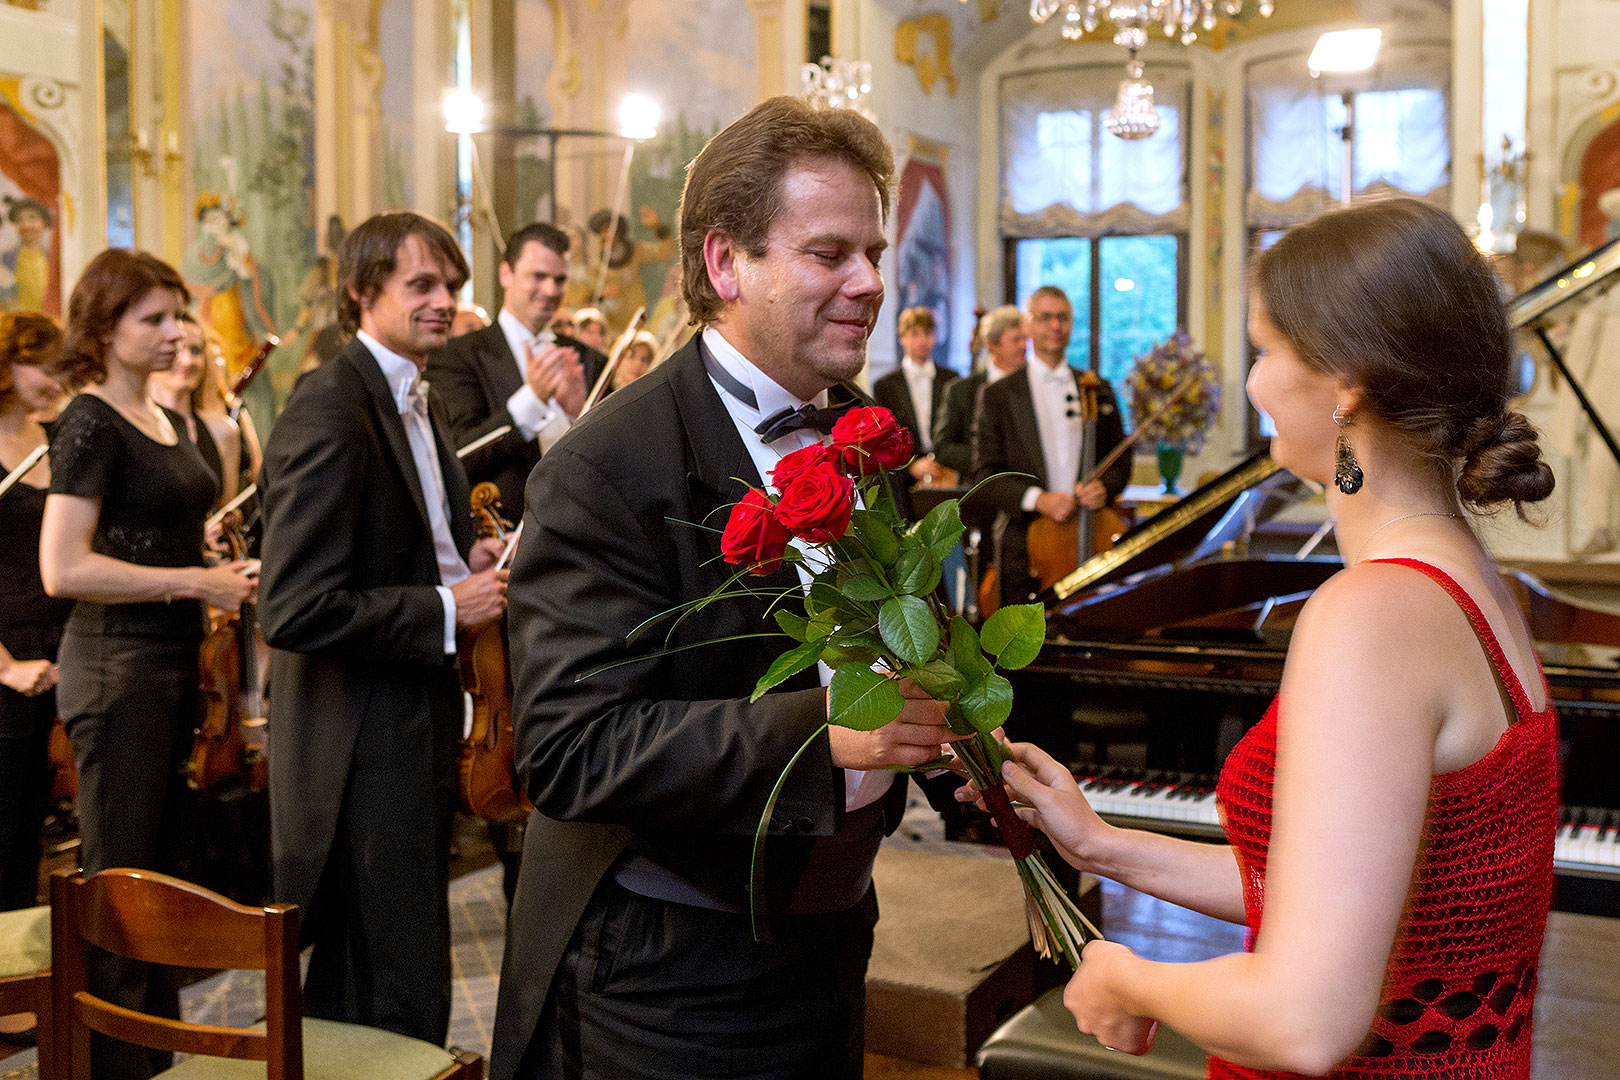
30 210
251 72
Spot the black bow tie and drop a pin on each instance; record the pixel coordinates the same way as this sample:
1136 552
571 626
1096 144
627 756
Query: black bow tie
804 418
784 421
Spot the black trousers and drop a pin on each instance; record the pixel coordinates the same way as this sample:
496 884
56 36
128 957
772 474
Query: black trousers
380 918
650 990
130 705
25 769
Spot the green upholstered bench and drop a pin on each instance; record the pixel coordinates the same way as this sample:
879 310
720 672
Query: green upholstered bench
25 967
1042 1042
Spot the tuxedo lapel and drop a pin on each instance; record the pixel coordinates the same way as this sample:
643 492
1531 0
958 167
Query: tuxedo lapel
1028 428
456 489
388 420
500 366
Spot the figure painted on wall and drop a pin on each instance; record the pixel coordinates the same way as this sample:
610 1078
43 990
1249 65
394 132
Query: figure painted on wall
618 291
923 254
1600 175
27 274
30 201
232 297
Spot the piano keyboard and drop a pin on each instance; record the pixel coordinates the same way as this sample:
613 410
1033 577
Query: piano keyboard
1587 842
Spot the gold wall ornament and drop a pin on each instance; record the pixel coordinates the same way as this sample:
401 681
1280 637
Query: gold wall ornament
931 64
989 10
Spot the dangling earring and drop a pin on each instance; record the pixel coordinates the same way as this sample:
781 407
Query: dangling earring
1346 470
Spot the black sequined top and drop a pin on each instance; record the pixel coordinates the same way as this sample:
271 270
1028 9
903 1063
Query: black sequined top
154 499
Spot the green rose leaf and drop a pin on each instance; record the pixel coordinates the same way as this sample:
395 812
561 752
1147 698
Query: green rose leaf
956 720
909 629
786 666
880 540
836 656
918 571
940 529
867 589
1014 635
936 678
987 704
825 597
966 655
862 699
793 625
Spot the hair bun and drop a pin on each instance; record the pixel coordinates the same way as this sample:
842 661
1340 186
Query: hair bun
1502 462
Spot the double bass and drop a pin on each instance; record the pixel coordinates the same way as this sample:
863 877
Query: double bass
487 774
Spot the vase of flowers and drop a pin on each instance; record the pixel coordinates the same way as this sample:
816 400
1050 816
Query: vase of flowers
1175 395
872 613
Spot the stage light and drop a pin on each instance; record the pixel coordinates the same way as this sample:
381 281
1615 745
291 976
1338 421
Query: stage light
638 117
463 112
1345 51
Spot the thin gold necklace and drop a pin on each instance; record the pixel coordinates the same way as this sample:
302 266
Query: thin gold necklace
1391 521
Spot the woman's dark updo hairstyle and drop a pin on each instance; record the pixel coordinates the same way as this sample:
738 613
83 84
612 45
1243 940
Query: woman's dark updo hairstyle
1392 297
111 282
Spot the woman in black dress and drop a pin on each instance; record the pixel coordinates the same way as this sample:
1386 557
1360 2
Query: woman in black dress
123 535
30 621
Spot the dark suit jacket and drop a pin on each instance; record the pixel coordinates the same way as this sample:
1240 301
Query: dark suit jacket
953 424
1008 439
665 756
893 394
346 598
473 375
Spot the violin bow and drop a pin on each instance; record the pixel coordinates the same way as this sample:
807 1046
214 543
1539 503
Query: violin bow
604 380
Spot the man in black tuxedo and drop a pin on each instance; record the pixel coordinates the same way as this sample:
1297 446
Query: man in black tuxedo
369 568
915 390
629 949
1006 343
516 372
1030 422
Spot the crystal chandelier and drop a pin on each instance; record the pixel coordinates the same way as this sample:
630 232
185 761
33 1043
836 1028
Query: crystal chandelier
837 84
1133 116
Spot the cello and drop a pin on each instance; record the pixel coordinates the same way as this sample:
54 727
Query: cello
487 773
1056 548
222 757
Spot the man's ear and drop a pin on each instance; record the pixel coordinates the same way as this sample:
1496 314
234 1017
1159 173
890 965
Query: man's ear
720 259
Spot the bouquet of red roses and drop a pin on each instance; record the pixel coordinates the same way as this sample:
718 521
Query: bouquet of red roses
872 614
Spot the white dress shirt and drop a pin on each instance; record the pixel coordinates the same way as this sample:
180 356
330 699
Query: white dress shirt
1057 419
410 397
920 381
860 788
545 420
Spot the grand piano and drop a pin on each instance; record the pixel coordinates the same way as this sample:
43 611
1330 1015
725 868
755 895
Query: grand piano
1173 642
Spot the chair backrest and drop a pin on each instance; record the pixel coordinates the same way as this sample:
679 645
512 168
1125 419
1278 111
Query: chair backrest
158 919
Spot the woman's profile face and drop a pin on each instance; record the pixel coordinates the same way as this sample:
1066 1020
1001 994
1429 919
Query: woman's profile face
190 361
148 335
1299 399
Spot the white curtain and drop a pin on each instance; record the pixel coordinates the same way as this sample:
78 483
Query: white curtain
1402 133
1063 174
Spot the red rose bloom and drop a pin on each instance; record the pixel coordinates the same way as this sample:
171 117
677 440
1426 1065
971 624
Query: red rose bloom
753 537
817 504
870 440
793 465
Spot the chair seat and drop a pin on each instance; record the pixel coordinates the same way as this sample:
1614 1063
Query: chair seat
1041 1042
25 941
334 1051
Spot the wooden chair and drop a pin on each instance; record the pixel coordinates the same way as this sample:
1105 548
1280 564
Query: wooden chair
151 917
25 969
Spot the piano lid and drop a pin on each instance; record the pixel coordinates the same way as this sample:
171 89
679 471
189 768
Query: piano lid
1224 511
1578 278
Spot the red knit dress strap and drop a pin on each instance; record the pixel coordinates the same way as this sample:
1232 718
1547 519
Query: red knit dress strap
1482 629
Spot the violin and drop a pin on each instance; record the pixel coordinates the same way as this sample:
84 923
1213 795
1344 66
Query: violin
223 758
488 781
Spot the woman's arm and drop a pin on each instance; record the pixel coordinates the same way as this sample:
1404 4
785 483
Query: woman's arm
1203 877
70 568
1363 698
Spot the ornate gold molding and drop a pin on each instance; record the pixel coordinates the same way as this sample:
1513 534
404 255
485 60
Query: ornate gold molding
931 66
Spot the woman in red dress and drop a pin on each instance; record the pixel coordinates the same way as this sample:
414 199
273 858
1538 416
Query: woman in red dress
1390 821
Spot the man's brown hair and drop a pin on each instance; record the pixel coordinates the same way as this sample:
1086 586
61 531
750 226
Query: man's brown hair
915 318
370 254
735 183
